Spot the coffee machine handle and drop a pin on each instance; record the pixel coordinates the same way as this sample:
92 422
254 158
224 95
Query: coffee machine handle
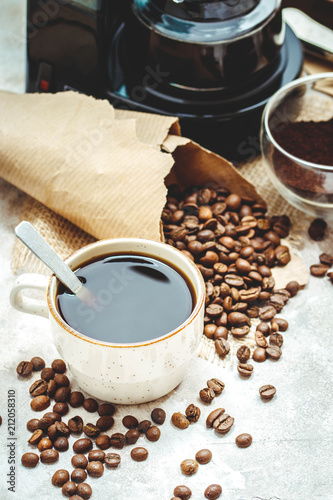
27 304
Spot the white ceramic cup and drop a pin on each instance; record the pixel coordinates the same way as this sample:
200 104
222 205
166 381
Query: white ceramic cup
120 373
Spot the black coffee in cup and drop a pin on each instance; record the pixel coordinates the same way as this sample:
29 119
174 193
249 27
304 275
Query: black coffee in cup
136 298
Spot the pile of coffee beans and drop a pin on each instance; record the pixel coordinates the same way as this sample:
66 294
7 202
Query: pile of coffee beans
235 246
50 434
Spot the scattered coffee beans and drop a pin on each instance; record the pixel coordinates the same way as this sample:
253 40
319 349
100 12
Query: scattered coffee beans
60 477
96 455
30 459
118 440
182 492
105 423
59 366
158 416
245 370
24 368
153 433
91 430
79 461
61 408
40 403
106 409
213 492
61 380
62 394
47 374
220 421
267 392
179 420
259 355
61 444
49 456
38 388
243 353
33 425
144 426
75 424
207 395
82 445
44 444
189 467
90 405
69 489
139 454
132 435
36 436
318 270
243 440
130 422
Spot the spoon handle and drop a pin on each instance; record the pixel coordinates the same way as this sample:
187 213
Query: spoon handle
36 243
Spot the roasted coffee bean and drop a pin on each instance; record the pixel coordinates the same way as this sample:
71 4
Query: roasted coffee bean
90 405
78 476
222 347
216 384
76 497
213 491
189 467
245 369
59 366
293 287
259 354
62 429
76 399
213 416
103 442
240 332
221 332
79 461
51 388
282 324
209 330
317 229
24 368
118 440
62 394
158 416
243 353
37 363
44 444
29 459
84 490
326 259
69 489
144 426
282 255
330 276
91 430
82 445
192 413
47 374
179 420
276 339
318 270
203 456
61 444
207 395
105 409
40 403
132 435
267 313
263 327
267 392
61 380
105 423
214 310
238 319
33 425
52 432
49 456
153 433
112 460
95 469
139 454
182 492
274 352
60 477
220 421
243 440
56 417
75 424
261 339
130 422
61 408
96 455
36 436
45 422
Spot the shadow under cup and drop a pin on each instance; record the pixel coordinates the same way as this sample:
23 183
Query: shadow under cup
130 373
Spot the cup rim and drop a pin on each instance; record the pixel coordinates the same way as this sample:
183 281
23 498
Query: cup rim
268 109
199 302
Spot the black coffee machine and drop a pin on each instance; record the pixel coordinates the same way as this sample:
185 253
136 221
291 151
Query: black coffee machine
214 64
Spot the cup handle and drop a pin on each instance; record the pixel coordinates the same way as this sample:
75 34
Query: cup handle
27 304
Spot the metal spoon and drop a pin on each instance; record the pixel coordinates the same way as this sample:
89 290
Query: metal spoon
36 243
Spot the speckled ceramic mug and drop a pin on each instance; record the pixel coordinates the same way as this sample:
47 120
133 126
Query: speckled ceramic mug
120 373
